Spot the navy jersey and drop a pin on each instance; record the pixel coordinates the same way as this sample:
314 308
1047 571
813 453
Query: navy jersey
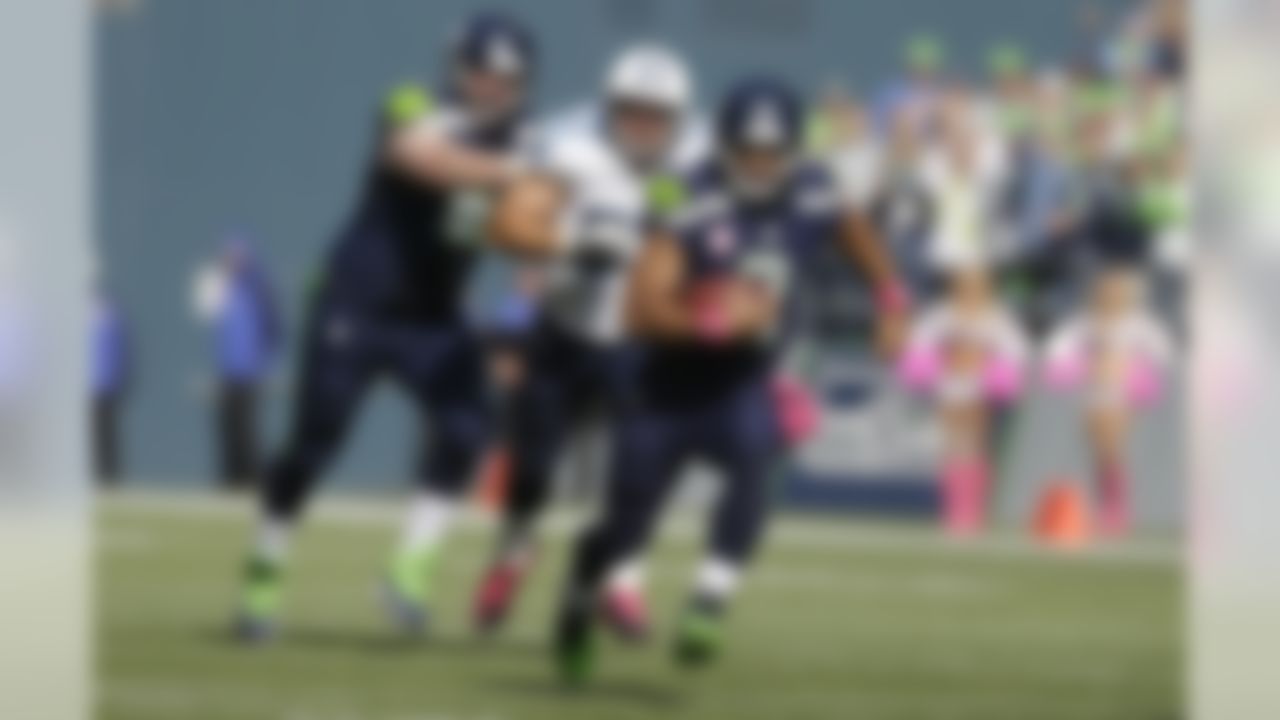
407 251
723 236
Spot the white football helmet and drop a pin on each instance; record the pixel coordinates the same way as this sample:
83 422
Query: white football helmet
650 74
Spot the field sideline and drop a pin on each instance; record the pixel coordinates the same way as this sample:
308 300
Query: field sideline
843 618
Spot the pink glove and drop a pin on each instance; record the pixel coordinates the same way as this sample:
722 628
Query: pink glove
919 368
1001 379
797 409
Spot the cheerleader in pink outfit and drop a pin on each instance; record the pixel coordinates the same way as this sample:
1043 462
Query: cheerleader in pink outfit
1116 354
968 353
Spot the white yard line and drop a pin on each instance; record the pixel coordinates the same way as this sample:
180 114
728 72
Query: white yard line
792 530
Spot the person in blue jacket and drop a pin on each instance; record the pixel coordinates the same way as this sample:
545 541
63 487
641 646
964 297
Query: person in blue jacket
245 326
110 374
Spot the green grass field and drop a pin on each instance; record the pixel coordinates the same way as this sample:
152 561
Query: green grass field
841 619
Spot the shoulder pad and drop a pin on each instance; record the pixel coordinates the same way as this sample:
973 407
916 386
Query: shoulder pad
572 151
666 194
407 103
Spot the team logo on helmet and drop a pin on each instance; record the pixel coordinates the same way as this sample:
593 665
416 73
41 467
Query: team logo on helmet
495 43
650 73
765 125
503 57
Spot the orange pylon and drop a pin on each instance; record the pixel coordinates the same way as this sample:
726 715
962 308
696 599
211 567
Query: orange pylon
1062 518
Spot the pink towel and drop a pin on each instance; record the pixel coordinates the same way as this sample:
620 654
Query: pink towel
1001 379
797 409
1143 387
920 368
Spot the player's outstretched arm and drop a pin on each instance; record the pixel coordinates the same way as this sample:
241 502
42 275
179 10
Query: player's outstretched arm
421 151
862 245
526 220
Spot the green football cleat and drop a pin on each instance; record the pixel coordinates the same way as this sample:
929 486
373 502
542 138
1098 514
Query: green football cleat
259 609
699 639
407 590
575 649
577 663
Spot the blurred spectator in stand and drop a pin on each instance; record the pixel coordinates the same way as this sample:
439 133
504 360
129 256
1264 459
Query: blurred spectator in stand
963 172
919 91
234 297
1092 44
1154 36
1013 91
1108 219
841 136
902 207
1034 200
111 370
1168 49
1164 198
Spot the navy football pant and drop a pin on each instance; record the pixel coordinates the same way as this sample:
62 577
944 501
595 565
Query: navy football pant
565 379
439 365
737 434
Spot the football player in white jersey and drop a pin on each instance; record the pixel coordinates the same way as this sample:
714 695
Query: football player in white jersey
583 209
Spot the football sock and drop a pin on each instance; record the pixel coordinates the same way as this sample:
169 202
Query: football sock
715 584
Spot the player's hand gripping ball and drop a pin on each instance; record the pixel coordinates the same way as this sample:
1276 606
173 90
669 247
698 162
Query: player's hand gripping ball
730 308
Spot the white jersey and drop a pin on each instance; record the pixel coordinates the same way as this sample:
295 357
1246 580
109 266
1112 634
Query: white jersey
574 148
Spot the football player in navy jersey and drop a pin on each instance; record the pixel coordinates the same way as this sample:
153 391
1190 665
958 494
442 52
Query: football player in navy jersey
390 305
711 300
583 211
